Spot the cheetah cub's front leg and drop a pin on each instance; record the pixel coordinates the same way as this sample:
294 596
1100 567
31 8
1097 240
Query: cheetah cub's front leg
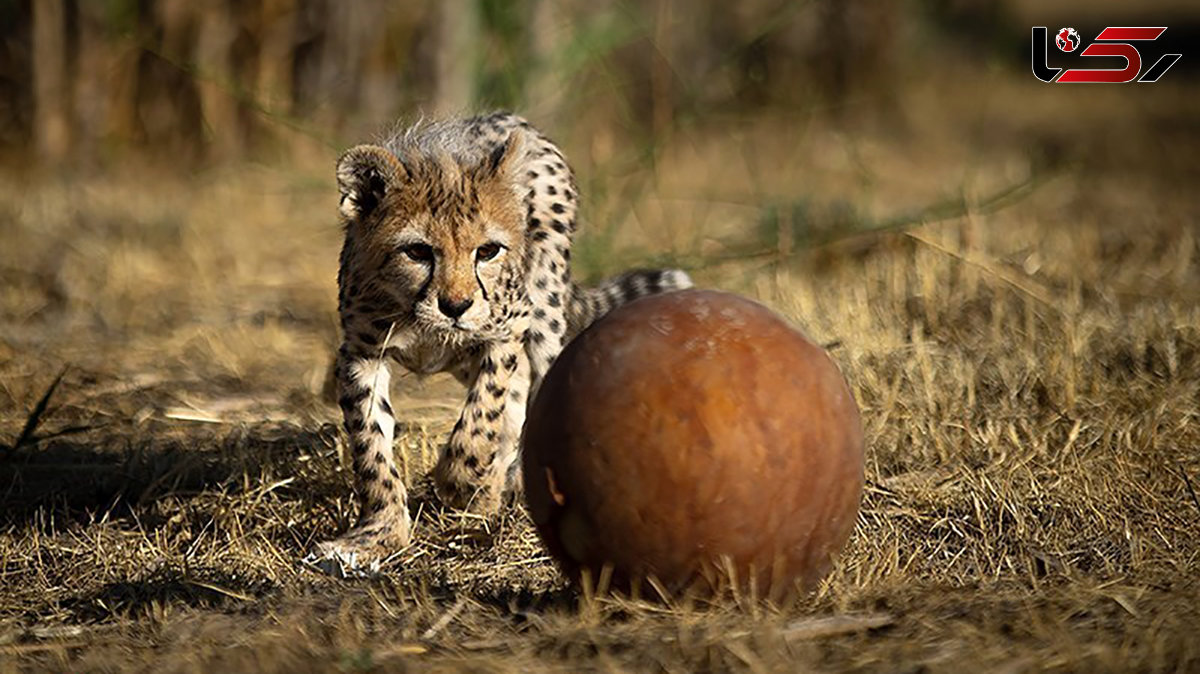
475 465
384 524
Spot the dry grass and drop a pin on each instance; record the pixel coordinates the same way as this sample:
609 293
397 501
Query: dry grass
1029 378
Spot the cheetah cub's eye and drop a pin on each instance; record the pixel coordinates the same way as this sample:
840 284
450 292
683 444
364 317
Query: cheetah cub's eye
488 251
418 252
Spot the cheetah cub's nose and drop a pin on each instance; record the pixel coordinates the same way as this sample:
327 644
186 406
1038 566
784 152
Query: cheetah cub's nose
454 309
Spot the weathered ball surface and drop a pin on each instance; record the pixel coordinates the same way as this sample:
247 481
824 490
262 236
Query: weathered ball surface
693 437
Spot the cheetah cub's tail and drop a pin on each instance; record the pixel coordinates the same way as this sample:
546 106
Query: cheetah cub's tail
589 304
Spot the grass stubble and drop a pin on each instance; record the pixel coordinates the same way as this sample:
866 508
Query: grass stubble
1029 378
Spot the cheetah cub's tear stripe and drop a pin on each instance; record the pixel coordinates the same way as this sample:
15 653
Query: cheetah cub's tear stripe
456 259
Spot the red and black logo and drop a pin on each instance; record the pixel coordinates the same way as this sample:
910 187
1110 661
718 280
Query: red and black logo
1112 41
1067 40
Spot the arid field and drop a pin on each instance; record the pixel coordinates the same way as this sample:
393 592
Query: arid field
1009 275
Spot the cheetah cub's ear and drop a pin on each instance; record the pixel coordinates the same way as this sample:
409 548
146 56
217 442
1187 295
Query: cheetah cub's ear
506 160
364 175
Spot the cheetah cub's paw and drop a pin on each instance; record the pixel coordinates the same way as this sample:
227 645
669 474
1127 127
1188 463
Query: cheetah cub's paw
461 492
485 492
360 553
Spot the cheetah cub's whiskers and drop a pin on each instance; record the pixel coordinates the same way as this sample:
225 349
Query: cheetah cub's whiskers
456 259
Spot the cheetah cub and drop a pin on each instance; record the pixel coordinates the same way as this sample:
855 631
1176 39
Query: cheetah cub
456 259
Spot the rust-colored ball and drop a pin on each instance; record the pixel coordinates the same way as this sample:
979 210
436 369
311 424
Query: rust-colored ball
688 435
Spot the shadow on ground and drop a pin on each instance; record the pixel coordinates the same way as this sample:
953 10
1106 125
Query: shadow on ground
113 470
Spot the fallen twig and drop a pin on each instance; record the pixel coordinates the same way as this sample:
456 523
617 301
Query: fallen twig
835 625
35 416
1188 482
447 617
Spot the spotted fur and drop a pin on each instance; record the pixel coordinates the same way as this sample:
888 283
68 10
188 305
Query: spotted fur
456 259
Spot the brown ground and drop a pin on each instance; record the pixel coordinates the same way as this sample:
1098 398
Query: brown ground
1028 368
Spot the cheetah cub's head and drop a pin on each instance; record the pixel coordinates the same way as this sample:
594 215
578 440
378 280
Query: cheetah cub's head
443 235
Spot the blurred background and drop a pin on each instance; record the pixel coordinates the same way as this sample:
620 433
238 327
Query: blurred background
85 82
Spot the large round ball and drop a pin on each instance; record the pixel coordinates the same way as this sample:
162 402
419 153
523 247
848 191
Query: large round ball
697 438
